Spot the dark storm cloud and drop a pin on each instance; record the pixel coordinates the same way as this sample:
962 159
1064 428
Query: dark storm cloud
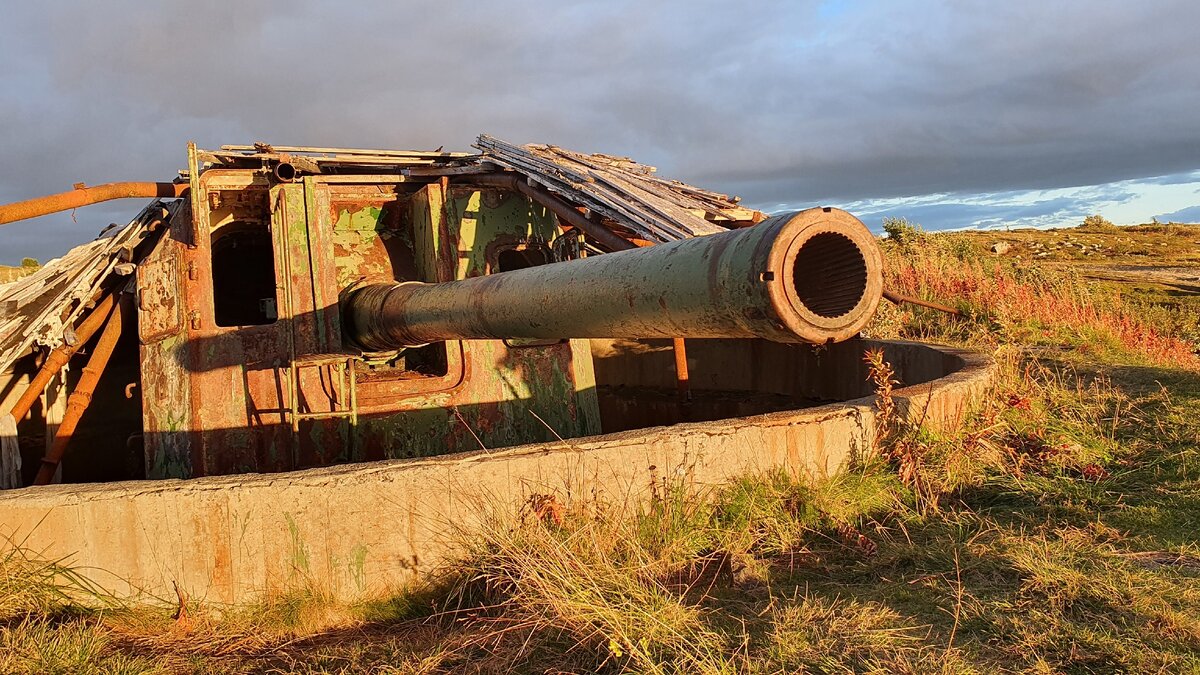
785 102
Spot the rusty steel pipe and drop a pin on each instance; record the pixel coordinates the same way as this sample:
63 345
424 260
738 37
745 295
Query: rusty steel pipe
806 276
60 355
83 196
285 172
898 299
81 397
682 380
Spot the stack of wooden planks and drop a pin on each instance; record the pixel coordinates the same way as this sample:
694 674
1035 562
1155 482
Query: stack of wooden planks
621 191
39 309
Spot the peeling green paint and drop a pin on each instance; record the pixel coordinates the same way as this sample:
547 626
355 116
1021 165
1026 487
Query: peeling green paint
482 216
357 566
366 219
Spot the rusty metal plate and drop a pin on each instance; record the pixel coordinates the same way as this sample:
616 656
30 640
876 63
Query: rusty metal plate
159 300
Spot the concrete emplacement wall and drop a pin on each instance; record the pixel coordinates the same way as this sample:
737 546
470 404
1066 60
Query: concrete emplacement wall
363 530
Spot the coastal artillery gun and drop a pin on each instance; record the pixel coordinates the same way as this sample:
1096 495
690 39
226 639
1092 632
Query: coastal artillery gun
809 276
302 307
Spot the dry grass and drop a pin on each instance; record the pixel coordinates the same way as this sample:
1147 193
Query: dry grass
8 273
1018 301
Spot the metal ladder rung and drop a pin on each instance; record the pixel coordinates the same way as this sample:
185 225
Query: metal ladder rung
345 398
331 414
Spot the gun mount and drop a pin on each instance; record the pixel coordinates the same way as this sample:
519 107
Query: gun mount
278 308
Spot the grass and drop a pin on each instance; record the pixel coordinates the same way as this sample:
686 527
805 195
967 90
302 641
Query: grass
8 273
1059 302
1055 531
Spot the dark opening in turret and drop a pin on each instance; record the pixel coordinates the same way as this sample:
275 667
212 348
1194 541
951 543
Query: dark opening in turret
243 275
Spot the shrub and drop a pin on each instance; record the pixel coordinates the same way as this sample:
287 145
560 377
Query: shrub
1098 222
901 231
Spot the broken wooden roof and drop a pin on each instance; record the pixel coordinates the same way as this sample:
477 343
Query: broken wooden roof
619 192
616 193
40 309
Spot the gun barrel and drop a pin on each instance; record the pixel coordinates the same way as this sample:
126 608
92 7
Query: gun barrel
812 275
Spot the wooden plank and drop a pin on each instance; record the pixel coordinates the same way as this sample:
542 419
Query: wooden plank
470 169
643 175
335 160
571 185
672 213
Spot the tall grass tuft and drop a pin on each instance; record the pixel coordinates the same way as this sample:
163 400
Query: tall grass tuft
31 585
595 584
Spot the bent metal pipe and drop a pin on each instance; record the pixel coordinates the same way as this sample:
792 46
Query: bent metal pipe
83 196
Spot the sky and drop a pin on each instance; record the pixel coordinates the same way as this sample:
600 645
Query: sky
951 114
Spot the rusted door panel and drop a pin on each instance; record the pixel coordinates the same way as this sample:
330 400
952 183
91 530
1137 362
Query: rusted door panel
160 311
292 251
230 393
166 410
266 412
435 253
305 253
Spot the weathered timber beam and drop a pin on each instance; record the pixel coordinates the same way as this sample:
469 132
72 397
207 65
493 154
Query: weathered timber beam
262 149
437 171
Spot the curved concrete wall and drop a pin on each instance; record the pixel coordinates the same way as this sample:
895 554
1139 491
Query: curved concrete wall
363 529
